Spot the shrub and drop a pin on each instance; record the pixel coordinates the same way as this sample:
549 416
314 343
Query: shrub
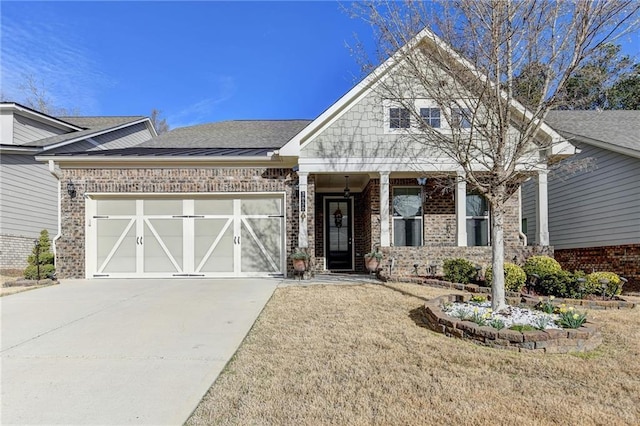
459 271
593 286
41 259
541 266
555 284
514 277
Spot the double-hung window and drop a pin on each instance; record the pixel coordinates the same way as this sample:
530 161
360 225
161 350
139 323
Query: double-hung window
399 118
407 216
477 220
430 116
461 118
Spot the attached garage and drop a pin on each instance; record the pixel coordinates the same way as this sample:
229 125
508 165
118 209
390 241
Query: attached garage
185 235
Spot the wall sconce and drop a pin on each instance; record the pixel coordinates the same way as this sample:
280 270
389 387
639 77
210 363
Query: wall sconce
71 189
347 192
337 218
422 181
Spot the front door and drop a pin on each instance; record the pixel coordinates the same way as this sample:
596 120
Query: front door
338 234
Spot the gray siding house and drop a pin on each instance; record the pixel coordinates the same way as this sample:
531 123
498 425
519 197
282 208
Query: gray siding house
29 192
594 197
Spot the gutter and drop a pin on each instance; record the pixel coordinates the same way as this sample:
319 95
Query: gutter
56 173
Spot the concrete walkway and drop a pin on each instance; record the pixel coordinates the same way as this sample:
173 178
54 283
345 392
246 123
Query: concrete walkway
117 352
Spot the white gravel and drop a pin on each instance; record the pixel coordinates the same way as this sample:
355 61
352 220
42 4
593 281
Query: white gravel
510 316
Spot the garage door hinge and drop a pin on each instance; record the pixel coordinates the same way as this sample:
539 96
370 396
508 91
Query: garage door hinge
187 216
188 275
101 217
100 275
275 215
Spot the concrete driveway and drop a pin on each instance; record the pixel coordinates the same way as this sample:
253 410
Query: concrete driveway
116 352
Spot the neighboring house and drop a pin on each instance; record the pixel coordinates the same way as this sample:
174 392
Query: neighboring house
236 198
594 199
28 191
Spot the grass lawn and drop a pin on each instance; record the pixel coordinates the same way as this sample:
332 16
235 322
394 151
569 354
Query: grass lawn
352 355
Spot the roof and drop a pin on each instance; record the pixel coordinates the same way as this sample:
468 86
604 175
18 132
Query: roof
100 121
235 134
83 134
615 128
138 151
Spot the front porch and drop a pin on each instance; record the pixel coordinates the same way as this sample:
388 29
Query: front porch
415 220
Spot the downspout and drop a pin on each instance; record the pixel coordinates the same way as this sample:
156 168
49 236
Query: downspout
522 235
56 173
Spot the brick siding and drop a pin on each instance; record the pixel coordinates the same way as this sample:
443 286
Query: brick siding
623 260
14 251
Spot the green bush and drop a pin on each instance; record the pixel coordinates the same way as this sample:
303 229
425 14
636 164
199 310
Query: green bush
593 286
40 255
541 266
514 277
459 271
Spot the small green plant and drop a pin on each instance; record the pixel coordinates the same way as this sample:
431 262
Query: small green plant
541 266
478 299
542 322
459 270
570 318
595 281
514 277
374 255
545 305
522 327
462 314
497 323
299 255
480 318
41 259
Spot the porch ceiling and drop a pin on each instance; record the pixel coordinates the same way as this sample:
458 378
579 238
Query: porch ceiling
336 182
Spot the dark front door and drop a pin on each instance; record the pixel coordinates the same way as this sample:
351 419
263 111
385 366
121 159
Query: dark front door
339 235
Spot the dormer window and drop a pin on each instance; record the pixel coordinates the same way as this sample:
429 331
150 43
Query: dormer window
430 116
399 118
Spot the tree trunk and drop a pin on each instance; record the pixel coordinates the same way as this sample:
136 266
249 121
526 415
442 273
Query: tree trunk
497 251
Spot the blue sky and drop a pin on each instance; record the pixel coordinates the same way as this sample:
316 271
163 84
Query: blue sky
198 61
195 61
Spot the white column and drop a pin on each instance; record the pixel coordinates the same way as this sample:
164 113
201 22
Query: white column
303 233
542 210
385 238
461 210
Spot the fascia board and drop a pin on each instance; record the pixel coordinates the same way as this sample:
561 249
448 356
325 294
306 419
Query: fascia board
17 149
39 116
603 145
114 162
94 134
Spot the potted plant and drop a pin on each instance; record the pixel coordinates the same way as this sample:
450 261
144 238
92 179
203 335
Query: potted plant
300 259
372 260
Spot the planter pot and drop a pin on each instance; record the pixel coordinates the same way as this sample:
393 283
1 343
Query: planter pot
371 263
299 265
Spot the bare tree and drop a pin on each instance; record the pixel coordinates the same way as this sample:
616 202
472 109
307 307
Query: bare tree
37 96
159 122
460 57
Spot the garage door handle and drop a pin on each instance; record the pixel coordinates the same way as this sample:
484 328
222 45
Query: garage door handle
275 215
139 240
236 240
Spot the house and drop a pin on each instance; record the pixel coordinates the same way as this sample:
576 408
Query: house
29 193
594 200
236 198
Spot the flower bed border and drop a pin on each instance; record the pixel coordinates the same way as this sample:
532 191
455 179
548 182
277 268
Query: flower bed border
583 339
514 298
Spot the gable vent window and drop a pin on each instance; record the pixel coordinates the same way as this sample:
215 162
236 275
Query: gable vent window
430 116
399 118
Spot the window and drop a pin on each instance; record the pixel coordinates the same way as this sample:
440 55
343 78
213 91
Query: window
431 116
461 118
477 220
399 118
407 216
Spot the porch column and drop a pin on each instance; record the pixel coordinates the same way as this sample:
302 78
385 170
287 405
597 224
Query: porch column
303 233
461 210
385 239
542 210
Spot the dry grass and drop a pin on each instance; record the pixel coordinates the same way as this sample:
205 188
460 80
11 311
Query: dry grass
352 355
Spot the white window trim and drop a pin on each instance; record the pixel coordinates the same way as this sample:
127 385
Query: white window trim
487 217
394 217
445 126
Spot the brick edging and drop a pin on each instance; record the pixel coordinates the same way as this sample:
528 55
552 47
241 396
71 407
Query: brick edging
583 339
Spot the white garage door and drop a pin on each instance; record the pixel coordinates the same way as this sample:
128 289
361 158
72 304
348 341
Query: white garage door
199 237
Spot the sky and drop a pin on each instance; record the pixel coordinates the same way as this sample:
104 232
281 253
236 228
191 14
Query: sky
197 62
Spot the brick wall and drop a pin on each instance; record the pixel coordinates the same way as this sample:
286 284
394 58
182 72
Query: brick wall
14 251
623 260
70 256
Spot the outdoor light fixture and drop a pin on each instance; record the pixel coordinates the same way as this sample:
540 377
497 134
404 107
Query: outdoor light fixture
337 218
347 192
422 181
71 189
